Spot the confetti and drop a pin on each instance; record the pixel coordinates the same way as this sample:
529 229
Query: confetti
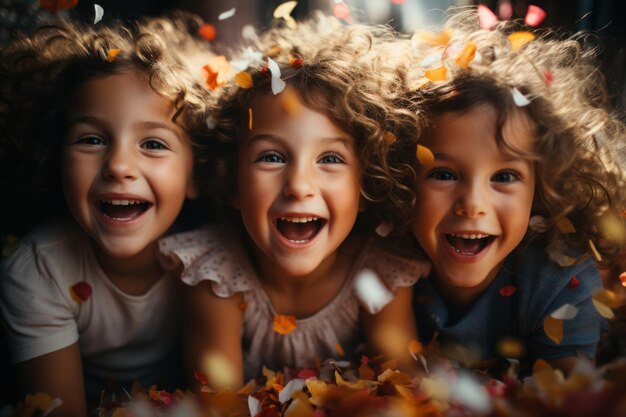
217 70
466 56
486 18
244 80
519 98
548 77
296 62
208 32
290 101
38 404
249 118
219 370
415 347
507 290
56 5
553 329
278 85
284 324
564 225
227 14
574 282
436 74
284 10
432 38
292 386
390 138
604 300
622 279
383 229
469 392
339 349
371 291
80 292
210 122
341 11
509 347
594 251
534 15
98 13
254 405
249 58
112 53
565 312
424 155
519 39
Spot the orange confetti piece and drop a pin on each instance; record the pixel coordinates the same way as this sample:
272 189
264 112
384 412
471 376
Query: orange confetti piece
339 349
217 71
510 348
440 38
290 100
250 118
437 74
284 324
390 138
519 39
553 329
622 279
208 32
424 155
38 404
365 372
80 292
112 53
296 62
243 306
244 80
415 347
564 225
604 300
338 378
278 388
466 56
56 5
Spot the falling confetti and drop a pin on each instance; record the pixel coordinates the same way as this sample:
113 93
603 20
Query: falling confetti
249 118
534 15
219 370
208 32
98 13
604 300
339 349
227 14
508 347
217 70
436 74
296 62
278 85
466 56
548 77
80 292
390 138
290 101
371 291
243 80
112 53
507 290
486 18
565 312
56 5
594 251
519 39
520 99
424 155
210 123
574 282
434 38
284 324
384 229
284 10
553 329
341 11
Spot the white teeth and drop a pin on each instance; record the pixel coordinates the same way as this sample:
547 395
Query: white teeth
297 241
122 202
298 220
472 236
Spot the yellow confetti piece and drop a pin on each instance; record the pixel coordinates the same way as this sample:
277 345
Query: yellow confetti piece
249 118
112 53
338 378
390 138
291 102
594 250
613 226
440 38
219 370
545 376
519 39
604 300
244 80
283 11
339 349
418 84
466 56
553 329
424 155
436 74
510 348
564 225
284 324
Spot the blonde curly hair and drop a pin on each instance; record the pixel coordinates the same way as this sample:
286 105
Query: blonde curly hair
39 73
334 68
579 143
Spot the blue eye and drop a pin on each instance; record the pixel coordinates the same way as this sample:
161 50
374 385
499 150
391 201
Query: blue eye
504 176
331 158
442 175
271 158
90 140
153 144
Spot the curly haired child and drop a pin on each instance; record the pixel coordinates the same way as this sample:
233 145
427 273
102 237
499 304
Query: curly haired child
302 163
518 205
102 124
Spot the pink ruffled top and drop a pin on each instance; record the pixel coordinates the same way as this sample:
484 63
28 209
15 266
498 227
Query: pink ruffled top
216 253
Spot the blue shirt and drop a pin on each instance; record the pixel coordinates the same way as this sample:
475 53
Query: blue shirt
540 287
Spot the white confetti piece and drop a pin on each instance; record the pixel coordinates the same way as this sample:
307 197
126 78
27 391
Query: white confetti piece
249 58
519 98
371 291
210 122
254 406
227 14
99 13
278 85
472 394
565 312
384 229
292 386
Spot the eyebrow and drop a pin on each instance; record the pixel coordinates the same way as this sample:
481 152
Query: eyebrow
507 158
148 124
345 142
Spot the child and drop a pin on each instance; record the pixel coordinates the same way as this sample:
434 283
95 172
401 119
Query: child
510 210
301 166
85 301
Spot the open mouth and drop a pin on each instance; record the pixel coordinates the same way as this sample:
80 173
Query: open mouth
123 210
299 229
469 244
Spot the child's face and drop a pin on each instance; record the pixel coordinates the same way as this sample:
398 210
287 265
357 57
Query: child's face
127 167
299 185
474 202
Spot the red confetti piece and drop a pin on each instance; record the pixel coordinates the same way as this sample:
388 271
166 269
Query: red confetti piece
208 32
296 62
161 397
574 282
507 290
486 18
548 77
56 5
534 15
341 11
306 374
80 292
201 378
398 1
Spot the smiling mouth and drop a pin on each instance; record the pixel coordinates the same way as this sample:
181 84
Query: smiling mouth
469 244
123 210
299 229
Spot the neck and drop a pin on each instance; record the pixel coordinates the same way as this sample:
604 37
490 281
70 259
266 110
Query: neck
461 298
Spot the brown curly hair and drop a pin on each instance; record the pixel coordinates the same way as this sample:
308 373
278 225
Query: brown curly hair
579 144
334 70
41 71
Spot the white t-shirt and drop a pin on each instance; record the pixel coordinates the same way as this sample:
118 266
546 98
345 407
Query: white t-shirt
122 338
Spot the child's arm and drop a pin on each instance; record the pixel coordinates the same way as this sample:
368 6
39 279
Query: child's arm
59 374
213 326
389 331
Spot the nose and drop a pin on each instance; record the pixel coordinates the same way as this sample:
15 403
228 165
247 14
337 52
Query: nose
472 202
299 183
119 165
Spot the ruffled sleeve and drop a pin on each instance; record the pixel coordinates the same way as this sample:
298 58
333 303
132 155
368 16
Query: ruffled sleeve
212 253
